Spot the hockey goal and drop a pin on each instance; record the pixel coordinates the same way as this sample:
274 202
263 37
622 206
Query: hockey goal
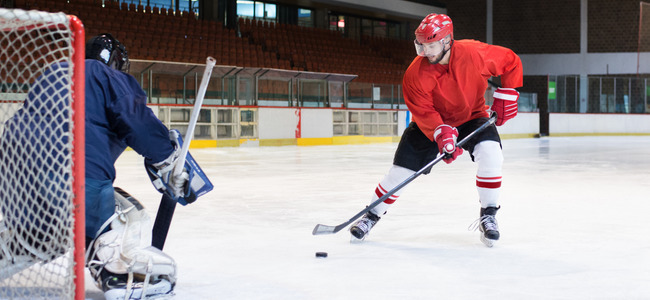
41 155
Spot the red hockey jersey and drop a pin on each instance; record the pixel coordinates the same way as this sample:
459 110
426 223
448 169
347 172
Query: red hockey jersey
453 94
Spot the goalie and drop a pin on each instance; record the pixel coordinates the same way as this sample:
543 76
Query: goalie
118 231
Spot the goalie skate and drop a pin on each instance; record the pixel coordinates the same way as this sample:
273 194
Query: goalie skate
119 287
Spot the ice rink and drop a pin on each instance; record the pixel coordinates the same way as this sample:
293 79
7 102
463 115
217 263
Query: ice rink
574 224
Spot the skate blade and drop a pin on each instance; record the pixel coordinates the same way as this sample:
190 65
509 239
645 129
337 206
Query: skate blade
488 242
354 240
159 291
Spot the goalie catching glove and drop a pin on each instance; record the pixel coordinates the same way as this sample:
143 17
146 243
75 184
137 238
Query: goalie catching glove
185 187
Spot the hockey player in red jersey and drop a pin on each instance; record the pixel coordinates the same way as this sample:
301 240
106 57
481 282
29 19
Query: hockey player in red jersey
444 90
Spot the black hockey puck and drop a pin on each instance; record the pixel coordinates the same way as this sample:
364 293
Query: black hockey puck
321 254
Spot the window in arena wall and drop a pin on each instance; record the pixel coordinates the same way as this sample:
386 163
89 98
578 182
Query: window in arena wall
393 30
265 10
353 27
167 4
248 122
379 28
178 117
305 17
367 123
184 5
337 23
226 123
256 10
213 122
189 5
246 9
366 27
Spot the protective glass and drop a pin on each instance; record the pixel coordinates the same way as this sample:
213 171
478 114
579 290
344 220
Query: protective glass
429 49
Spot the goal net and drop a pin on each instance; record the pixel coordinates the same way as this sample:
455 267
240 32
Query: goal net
41 156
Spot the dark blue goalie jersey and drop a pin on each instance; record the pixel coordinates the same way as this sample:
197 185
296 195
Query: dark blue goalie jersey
117 116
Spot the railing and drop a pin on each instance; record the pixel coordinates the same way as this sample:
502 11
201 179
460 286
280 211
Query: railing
235 94
176 83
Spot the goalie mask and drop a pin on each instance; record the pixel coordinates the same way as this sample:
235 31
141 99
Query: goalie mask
433 35
108 50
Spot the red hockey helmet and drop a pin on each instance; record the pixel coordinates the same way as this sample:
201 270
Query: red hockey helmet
434 27
431 35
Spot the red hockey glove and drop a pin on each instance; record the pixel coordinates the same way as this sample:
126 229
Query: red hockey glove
505 104
445 136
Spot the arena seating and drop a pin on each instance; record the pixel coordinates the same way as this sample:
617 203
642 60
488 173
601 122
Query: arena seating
158 33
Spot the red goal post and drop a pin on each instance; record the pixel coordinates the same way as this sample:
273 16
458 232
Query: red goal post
42 227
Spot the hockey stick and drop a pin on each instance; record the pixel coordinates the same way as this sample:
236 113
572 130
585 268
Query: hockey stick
326 229
167 204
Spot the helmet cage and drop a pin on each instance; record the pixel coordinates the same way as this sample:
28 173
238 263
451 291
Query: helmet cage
119 59
108 50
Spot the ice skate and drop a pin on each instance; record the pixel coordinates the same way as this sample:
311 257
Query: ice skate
488 226
118 287
360 229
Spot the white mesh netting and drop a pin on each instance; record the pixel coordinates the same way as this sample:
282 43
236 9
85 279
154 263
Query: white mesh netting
36 207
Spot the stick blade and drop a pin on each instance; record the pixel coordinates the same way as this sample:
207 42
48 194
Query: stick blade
324 229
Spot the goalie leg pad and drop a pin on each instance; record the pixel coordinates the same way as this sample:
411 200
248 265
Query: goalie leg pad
126 250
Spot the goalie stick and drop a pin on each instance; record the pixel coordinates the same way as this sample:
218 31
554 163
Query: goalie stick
167 204
326 229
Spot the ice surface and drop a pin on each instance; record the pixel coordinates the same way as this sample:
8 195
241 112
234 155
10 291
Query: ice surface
574 224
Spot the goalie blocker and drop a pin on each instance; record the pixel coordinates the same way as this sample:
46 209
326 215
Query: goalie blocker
197 184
